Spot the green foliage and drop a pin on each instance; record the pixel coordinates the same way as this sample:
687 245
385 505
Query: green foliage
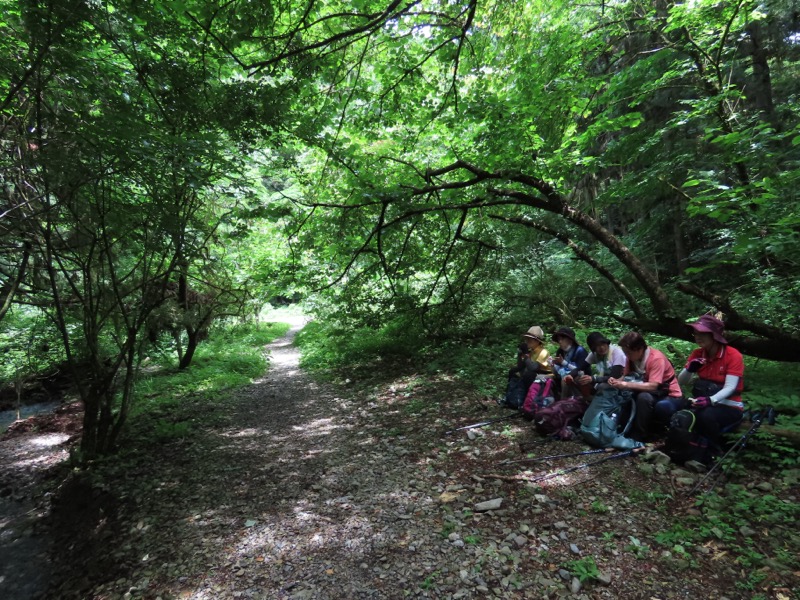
29 344
723 517
330 345
429 581
472 539
677 534
166 431
583 568
447 529
754 578
637 548
777 450
232 358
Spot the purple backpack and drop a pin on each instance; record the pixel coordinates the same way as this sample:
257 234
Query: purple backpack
557 417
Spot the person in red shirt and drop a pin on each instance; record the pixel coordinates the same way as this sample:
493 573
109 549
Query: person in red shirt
720 379
658 395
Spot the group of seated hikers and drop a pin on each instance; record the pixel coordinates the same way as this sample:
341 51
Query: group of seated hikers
628 394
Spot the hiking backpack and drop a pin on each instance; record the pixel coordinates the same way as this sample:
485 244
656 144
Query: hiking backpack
705 387
602 425
539 395
515 393
683 443
559 416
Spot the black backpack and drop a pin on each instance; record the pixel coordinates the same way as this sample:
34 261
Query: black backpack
515 393
683 442
704 387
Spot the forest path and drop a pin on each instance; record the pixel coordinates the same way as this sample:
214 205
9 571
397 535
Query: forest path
296 493
292 488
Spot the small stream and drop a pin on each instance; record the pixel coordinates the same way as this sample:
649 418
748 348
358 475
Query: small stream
7 417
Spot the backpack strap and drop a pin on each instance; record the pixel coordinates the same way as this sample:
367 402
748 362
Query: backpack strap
631 419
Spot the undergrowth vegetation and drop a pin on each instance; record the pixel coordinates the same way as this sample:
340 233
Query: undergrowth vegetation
171 402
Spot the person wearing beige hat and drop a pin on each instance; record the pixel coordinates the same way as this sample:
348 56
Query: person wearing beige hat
532 362
536 353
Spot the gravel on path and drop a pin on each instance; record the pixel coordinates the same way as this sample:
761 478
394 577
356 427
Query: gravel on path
310 490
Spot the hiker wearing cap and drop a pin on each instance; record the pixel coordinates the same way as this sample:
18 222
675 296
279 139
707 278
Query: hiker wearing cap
605 360
569 358
658 395
720 371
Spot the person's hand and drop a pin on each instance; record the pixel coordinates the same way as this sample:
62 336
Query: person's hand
617 383
523 348
585 380
558 360
700 402
569 380
695 365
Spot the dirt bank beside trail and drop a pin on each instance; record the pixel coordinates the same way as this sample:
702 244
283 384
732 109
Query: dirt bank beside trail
309 490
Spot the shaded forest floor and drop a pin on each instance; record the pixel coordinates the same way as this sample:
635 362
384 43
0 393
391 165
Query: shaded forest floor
293 488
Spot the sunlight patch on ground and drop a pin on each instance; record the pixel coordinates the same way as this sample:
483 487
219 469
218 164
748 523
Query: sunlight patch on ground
263 540
47 440
30 462
318 427
251 432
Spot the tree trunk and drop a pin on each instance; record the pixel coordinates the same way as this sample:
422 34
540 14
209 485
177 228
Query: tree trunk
680 247
762 81
785 349
91 410
193 336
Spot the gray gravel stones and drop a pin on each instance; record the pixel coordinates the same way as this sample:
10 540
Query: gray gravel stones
493 504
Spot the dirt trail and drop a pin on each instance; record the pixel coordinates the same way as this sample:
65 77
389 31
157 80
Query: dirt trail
303 490
24 544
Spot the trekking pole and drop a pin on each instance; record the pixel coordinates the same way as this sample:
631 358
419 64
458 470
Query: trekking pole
530 445
552 456
585 465
484 423
738 446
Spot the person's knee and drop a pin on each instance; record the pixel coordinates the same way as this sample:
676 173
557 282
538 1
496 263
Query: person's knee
645 400
706 419
708 424
664 410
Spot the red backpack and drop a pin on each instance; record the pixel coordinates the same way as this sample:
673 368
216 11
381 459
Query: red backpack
539 395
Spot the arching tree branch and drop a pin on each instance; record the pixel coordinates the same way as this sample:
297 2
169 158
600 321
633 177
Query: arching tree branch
581 254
